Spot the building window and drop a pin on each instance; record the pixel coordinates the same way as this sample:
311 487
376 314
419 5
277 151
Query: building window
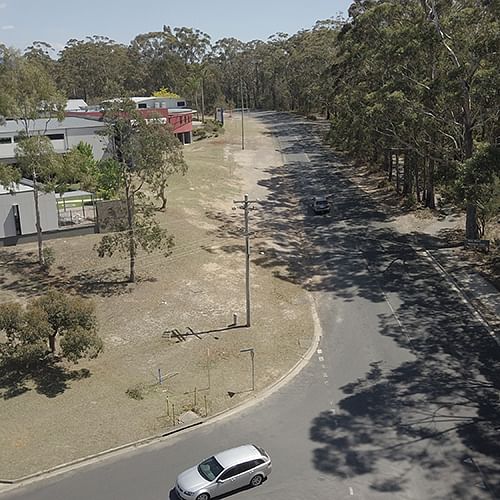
181 103
55 137
142 105
5 140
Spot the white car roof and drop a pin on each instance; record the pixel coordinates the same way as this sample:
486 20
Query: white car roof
238 455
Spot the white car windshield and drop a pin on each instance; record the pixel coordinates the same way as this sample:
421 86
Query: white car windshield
210 469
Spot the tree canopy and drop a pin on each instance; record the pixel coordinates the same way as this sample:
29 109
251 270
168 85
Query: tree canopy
418 77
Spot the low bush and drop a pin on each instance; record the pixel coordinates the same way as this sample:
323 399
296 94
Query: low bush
136 392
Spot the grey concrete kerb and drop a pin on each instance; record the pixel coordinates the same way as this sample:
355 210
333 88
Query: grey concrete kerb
10 484
455 285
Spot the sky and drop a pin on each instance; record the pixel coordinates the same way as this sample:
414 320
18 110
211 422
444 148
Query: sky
57 21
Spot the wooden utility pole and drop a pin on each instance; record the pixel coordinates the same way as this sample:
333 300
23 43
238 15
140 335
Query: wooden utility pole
242 116
246 208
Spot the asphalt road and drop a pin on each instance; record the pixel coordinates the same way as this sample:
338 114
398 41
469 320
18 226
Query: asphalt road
397 403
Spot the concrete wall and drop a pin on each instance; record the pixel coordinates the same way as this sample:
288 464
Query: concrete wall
65 232
26 203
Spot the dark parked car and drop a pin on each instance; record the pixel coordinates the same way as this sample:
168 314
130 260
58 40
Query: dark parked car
320 205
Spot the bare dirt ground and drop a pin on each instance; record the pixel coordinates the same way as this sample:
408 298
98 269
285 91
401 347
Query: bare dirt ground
85 408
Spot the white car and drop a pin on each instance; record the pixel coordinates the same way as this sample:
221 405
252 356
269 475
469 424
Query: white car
229 470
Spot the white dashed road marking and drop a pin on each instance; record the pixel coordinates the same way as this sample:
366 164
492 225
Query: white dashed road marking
351 491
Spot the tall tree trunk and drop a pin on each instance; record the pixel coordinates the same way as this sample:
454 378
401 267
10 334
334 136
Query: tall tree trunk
385 165
163 196
407 175
397 173
38 223
203 100
417 179
131 232
471 225
196 102
471 222
430 200
52 343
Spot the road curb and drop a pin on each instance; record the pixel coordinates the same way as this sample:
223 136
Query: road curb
463 295
10 484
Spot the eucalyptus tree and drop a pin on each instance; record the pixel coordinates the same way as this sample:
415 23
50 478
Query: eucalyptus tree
312 52
139 149
469 35
226 56
94 68
32 96
153 53
45 54
275 62
399 82
34 331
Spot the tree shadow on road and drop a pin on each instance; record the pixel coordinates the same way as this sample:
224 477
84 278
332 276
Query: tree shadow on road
438 412
436 415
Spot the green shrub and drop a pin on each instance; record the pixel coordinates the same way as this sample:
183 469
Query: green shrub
136 392
410 202
199 133
49 257
210 128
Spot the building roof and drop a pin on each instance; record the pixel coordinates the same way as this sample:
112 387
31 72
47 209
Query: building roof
75 105
141 99
42 125
174 111
25 185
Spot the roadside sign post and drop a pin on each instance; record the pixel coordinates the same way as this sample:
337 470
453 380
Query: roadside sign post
251 350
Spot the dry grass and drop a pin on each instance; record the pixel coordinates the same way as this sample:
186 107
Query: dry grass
199 286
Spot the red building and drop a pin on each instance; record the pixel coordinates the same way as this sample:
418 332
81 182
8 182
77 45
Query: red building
173 111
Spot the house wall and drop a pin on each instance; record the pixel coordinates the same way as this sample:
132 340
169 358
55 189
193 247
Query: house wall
90 136
26 203
72 136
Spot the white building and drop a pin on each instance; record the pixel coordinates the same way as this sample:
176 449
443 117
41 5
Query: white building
159 102
75 105
63 134
17 211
